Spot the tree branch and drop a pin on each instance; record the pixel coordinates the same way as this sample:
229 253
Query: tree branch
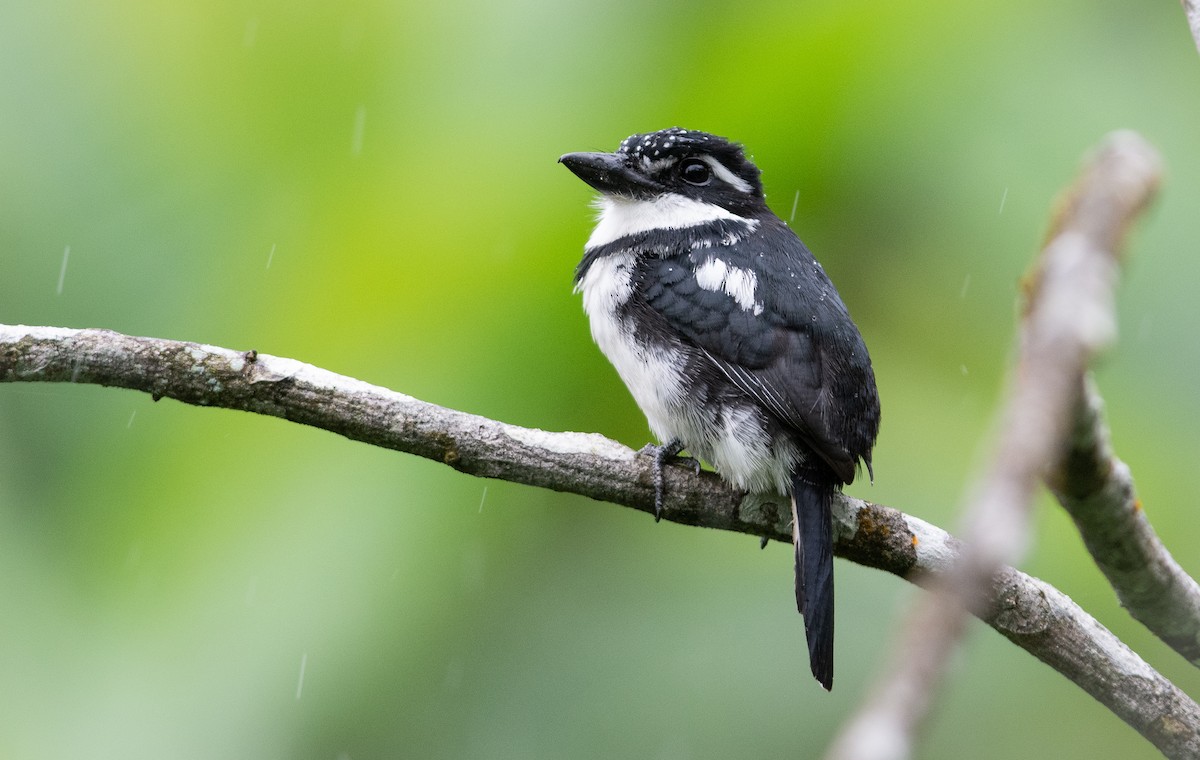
1096 488
1069 317
1029 612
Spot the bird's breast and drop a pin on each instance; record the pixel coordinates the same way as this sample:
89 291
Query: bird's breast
652 370
680 399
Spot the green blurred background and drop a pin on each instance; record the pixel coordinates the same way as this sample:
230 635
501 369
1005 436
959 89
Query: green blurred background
373 189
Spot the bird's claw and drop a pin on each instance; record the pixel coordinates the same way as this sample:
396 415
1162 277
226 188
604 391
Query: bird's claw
662 454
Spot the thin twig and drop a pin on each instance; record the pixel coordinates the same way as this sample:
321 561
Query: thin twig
1069 317
1029 612
1096 488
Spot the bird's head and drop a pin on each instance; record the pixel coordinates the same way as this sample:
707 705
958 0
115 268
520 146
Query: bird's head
696 165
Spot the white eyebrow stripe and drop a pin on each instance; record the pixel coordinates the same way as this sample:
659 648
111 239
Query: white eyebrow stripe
725 175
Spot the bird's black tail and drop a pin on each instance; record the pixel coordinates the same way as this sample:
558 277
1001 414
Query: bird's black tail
812 534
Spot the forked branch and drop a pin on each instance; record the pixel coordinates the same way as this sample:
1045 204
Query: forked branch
1069 317
1029 612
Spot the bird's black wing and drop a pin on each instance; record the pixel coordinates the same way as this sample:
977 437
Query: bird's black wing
787 341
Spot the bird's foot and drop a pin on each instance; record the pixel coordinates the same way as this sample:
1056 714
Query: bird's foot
662 455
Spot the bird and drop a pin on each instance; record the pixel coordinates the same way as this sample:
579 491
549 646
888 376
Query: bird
731 338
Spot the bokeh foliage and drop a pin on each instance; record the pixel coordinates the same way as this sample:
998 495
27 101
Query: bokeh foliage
371 187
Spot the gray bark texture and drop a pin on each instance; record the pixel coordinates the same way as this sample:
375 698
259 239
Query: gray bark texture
1029 612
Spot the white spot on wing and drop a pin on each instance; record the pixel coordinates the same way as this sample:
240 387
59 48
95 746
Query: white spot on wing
711 274
739 284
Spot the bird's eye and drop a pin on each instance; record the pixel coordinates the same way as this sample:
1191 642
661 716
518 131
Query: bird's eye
695 172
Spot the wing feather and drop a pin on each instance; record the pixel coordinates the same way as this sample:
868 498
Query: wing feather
785 344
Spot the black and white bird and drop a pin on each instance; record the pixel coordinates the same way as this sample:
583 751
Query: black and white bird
731 338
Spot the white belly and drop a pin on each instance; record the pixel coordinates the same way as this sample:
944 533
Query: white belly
730 438
649 371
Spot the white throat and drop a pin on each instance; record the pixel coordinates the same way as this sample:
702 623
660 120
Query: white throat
621 216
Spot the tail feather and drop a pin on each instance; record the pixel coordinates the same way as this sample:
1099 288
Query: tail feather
812 535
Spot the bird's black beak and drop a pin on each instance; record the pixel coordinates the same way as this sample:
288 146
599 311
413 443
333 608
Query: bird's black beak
611 174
